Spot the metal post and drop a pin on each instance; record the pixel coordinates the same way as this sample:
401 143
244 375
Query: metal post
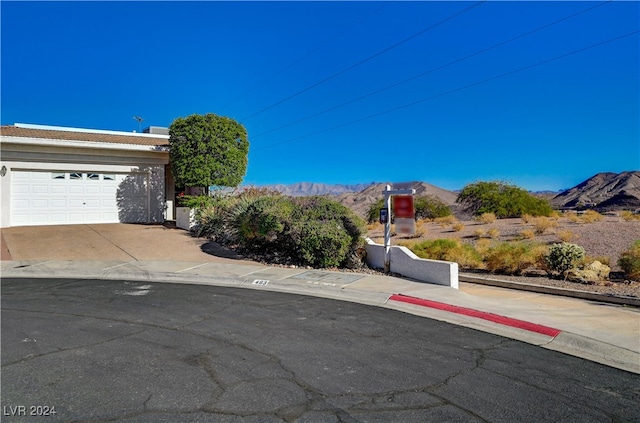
387 229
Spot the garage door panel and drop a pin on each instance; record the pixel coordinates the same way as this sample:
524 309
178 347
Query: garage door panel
40 189
40 203
58 189
58 203
40 198
19 189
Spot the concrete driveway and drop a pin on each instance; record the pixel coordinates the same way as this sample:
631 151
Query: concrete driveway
116 241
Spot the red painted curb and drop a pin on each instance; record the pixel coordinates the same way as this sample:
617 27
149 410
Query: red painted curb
507 321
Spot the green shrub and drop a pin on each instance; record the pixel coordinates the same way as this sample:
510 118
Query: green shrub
310 230
502 199
318 243
263 220
629 261
512 258
564 256
430 207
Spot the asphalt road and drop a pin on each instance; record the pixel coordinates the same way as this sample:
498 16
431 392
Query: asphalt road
103 351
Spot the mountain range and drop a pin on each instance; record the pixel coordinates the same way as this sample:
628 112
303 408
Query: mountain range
603 191
311 188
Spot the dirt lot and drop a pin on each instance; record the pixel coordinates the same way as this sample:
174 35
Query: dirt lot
607 238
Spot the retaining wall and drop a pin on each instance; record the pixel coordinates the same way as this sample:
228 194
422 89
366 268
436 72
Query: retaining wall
405 263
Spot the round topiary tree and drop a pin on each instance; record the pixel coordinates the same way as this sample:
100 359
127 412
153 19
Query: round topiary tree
208 150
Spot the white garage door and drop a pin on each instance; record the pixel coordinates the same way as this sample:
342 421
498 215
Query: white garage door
54 198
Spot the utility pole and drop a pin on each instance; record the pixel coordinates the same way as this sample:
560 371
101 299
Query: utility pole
388 193
139 119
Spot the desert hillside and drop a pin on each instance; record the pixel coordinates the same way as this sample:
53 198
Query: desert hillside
603 191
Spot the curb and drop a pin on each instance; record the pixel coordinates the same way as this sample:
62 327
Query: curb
541 289
492 317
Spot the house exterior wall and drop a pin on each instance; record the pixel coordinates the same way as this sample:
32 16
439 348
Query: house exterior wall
28 154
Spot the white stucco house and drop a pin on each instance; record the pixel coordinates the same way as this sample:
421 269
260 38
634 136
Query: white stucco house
53 175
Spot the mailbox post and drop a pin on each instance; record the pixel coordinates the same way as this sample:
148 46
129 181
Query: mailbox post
388 193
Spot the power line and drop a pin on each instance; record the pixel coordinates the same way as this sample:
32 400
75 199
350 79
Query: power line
310 53
381 52
420 75
455 90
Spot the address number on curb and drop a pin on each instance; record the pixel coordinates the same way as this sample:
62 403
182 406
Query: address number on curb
261 282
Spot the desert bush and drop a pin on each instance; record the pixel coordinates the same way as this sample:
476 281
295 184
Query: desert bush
564 256
526 218
591 216
573 216
566 235
486 218
512 258
629 261
445 221
449 250
483 245
502 199
479 233
590 259
627 215
493 233
457 227
375 226
430 207
542 224
527 234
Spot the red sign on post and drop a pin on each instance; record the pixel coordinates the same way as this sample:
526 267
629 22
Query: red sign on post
403 206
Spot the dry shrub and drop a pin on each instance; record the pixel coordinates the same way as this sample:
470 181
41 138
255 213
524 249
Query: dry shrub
483 245
566 235
602 259
445 220
573 217
450 250
512 258
542 224
630 261
493 233
486 218
527 234
555 215
526 218
479 233
591 216
629 216
376 226
626 215
457 227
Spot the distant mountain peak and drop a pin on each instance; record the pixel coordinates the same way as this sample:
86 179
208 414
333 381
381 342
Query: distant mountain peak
605 190
300 189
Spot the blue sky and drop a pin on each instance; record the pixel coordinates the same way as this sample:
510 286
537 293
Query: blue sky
539 94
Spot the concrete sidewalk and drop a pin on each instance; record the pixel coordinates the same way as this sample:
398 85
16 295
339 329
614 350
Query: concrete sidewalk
597 331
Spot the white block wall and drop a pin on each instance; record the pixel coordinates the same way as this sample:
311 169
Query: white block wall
405 263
